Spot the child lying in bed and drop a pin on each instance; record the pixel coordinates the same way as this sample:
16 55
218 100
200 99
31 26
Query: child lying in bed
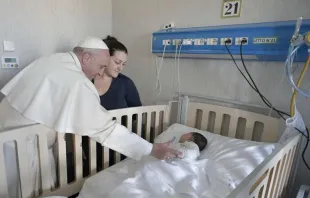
190 144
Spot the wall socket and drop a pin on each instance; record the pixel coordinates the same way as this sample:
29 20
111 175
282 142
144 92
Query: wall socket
169 26
239 39
187 42
223 40
166 42
177 42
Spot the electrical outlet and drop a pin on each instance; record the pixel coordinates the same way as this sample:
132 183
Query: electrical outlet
238 40
166 42
176 42
199 42
187 42
223 40
169 26
212 41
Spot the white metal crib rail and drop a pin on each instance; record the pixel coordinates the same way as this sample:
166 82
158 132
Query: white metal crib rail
231 122
19 136
270 179
148 118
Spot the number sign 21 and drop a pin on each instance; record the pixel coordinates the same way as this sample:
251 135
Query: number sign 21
231 8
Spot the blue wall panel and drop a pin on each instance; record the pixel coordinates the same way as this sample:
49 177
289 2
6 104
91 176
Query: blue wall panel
276 51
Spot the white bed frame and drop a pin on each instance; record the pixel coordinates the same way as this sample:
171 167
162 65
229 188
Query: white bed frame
270 179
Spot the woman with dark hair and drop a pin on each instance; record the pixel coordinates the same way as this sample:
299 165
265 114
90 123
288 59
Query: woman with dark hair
115 89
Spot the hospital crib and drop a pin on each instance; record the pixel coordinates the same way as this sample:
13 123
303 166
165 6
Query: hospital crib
269 179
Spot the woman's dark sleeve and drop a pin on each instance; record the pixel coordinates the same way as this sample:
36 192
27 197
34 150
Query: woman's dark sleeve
132 94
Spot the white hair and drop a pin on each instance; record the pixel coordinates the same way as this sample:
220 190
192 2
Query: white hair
79 50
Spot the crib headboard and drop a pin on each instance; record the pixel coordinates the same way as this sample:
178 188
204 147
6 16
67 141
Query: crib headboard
232 122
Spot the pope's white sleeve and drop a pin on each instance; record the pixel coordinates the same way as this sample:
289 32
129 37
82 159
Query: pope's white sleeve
126 142
100 126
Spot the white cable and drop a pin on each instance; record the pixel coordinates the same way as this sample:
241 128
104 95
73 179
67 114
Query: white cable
158 68
175 67
179 81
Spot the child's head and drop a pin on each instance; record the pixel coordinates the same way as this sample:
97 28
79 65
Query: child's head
197 138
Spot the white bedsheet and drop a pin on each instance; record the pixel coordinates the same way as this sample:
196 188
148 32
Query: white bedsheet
222 166
150 178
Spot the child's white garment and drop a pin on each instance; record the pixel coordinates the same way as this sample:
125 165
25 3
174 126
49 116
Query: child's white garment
190 150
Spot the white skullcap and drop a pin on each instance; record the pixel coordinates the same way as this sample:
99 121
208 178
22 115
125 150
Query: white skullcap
93 43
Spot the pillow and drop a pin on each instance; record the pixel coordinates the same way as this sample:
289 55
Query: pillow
235 158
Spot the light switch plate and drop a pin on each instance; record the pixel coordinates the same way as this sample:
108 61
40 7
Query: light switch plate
8 46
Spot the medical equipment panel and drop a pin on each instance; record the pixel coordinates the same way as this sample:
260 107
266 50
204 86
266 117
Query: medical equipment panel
260 41
9 62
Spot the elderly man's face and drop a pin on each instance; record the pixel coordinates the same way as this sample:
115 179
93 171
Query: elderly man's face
95 63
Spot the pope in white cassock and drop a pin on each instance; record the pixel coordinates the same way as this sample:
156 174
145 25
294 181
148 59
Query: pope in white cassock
57 91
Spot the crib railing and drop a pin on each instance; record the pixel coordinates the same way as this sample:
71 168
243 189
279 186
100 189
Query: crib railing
17 138
270 179
233 123
147 122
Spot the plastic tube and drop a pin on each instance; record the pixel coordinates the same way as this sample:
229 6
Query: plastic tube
288 66
292 107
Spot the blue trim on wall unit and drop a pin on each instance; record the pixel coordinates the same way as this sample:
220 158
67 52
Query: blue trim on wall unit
277 51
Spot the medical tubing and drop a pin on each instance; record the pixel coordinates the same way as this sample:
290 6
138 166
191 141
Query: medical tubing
298 85
288 65
306 136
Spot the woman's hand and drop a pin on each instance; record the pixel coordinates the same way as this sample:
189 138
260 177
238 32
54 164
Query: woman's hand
162 151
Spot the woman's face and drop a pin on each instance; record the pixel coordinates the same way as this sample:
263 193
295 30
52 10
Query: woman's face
117 63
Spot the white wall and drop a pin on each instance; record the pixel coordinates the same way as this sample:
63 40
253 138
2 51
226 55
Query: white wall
134 21
42 27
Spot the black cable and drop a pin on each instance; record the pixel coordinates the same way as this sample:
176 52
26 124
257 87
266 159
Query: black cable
266 101
306 146
270 106
278 111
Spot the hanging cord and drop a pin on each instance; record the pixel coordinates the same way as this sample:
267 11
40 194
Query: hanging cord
158 68
179 79
262 97
175 76
254 87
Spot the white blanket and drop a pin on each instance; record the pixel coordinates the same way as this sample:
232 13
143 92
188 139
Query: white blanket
152 178
222 166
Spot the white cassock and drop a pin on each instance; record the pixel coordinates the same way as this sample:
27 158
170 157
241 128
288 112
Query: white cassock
55 92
